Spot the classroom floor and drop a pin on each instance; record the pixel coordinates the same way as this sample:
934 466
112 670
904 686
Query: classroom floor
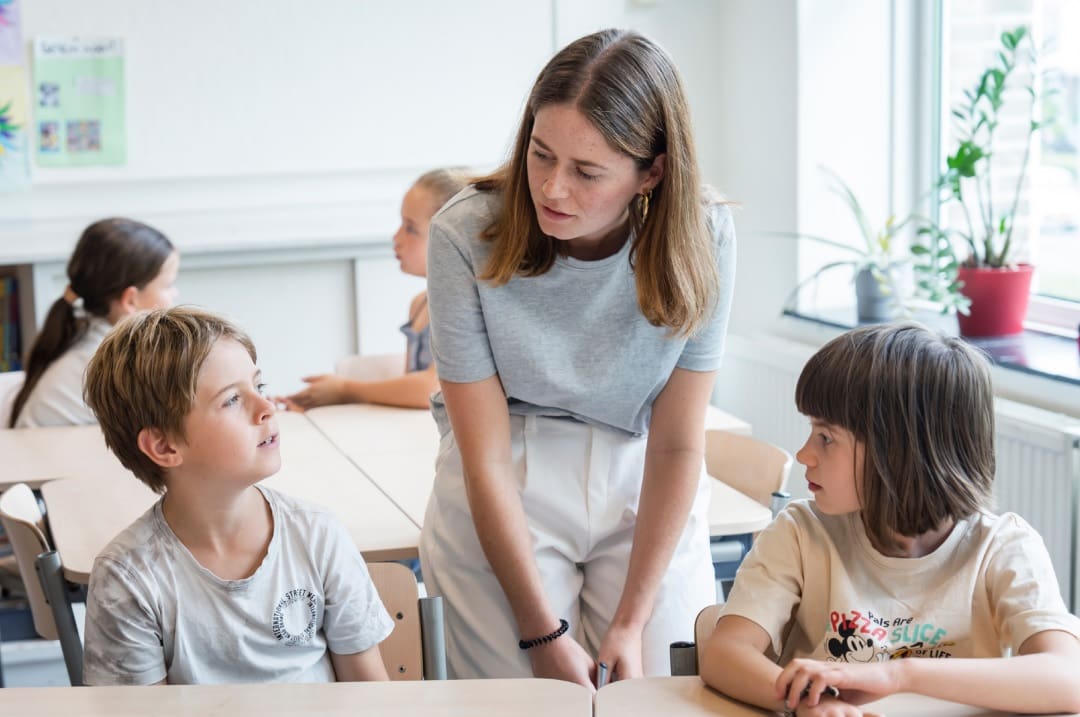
37 663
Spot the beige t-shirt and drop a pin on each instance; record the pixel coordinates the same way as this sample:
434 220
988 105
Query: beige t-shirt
57 399
819 588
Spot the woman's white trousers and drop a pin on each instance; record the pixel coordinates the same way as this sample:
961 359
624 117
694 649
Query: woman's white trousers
580 486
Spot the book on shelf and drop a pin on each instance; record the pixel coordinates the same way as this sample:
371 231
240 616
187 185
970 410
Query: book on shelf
10 348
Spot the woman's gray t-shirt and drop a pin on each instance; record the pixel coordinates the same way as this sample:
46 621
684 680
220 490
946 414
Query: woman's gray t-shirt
571 342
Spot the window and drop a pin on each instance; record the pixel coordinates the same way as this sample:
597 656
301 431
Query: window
1048 216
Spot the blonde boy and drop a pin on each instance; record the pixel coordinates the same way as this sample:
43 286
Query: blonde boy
222 580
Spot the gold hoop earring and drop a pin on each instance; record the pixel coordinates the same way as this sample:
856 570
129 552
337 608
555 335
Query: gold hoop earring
643 206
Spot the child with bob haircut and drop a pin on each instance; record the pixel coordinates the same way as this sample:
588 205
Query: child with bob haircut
222 580
897 555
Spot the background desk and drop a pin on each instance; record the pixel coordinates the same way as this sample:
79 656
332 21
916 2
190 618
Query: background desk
85 515
689 697
452 698
396 448
35 455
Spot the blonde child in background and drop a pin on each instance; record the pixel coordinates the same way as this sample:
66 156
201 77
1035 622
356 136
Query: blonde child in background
419 381
897 555
222 580
119 266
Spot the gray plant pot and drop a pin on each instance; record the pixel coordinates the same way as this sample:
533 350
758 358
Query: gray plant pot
873 305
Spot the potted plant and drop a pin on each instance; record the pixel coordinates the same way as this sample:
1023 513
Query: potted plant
883 288
982 250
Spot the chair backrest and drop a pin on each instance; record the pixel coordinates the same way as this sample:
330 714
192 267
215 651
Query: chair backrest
375 367
402 651
703 627
24 526
10 383
749 465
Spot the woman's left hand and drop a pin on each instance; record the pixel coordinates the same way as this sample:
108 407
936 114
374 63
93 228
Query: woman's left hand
621 651
858 683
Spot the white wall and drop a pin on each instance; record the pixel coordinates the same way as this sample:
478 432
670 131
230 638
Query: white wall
271 87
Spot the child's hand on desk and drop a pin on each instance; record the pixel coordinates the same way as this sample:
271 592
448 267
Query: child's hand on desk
322 390
563 659
285 403
831 707
806 682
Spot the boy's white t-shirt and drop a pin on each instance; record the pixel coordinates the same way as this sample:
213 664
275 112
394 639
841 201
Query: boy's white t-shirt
57 399
818 587
153 612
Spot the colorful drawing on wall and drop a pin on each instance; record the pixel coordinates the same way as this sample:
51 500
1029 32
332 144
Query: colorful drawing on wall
14 121
79 101
11 47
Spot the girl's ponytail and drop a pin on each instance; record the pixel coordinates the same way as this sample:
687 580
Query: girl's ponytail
62 329
111 255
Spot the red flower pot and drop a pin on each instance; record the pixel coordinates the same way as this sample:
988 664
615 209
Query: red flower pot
999 300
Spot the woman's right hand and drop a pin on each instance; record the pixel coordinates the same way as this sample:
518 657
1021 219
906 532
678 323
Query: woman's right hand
563 659
322 390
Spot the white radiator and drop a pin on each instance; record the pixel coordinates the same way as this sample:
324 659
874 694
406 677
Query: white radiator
1038 452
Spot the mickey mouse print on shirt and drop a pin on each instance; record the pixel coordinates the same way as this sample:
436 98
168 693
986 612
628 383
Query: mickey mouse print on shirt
857 636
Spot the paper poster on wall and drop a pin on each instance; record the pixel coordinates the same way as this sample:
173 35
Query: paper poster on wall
14 130
11 48
79 101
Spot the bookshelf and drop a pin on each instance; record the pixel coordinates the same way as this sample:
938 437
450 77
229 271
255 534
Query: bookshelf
17 326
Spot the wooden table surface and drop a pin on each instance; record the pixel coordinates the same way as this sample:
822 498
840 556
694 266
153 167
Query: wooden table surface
36 455
397 448
451 698
689 697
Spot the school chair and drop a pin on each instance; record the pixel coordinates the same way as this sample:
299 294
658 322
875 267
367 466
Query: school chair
10 383
373 367
416 649
755 468
686 656
42 575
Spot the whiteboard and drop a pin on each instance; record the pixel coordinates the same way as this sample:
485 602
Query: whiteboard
272 87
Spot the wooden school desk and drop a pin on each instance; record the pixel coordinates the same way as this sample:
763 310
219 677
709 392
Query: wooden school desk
396 448
35 455
85 515
689 697
451 698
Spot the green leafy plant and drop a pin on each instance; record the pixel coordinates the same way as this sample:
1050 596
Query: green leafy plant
881 252
935 268
989 214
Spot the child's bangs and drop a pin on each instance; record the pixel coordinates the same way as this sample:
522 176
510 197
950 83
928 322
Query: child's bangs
828 387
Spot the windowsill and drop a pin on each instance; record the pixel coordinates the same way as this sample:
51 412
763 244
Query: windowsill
1031 352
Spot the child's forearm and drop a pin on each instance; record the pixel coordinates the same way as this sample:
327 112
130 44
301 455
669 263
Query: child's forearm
409 391
1039 683
743 672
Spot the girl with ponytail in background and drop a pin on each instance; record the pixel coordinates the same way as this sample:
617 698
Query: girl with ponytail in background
119 266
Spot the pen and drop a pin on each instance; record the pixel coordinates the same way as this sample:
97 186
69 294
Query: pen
601 674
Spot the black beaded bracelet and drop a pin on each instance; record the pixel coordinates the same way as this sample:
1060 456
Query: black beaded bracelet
563 627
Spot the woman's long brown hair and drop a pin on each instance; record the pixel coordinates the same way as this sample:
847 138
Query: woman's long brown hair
629 89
